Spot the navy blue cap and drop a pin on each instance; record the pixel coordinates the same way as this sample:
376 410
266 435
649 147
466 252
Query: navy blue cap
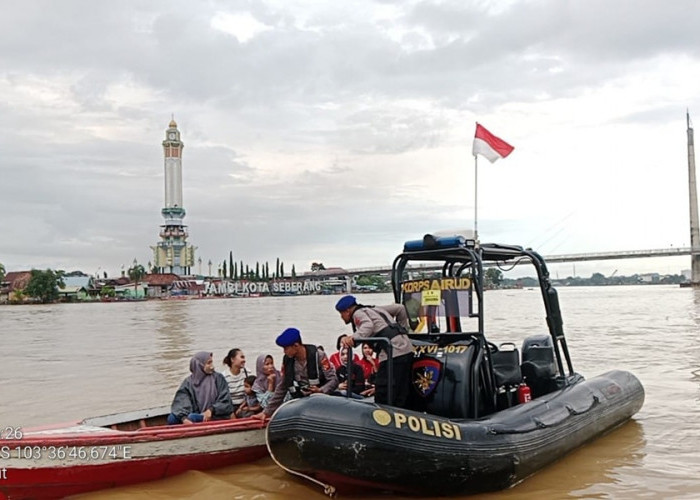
345 302
288 337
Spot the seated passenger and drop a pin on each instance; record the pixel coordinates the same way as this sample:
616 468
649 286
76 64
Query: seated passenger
370 365
335 357
250 405
305 371
202 396
356 381
235 375
267 378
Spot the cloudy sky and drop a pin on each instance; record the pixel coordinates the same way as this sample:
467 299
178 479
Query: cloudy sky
334 131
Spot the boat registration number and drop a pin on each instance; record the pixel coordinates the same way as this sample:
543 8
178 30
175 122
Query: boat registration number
435 349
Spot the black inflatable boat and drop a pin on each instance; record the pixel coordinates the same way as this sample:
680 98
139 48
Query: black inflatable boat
471 426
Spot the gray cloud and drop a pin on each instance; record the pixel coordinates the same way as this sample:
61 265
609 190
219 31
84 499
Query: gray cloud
328 136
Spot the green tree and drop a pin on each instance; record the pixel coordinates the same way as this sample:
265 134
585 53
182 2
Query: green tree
317 266
281 269
257 271
378 282
2 272
235 270
294 272
136 273
598 279
277 270
230 264
44 285
493 277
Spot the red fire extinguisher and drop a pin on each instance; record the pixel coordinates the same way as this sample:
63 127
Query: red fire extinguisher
524 394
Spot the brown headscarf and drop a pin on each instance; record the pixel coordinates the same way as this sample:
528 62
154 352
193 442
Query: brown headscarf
203 383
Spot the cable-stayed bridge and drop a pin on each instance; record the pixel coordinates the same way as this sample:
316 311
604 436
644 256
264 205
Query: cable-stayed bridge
693 250
550 259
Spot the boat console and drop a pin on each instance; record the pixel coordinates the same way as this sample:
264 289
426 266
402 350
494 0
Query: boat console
443 378
457 373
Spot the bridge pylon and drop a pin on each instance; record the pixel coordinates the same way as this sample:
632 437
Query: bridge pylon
694 223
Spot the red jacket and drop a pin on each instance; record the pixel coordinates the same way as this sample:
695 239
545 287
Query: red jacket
335 359
369 367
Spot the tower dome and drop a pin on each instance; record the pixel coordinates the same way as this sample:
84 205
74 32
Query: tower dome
172 123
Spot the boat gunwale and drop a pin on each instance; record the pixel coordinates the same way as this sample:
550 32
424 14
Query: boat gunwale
79 434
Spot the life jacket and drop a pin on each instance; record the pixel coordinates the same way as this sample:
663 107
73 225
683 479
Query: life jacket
315 375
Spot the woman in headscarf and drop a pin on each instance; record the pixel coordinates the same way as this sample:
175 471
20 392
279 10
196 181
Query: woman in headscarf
335 357
266 378
202 396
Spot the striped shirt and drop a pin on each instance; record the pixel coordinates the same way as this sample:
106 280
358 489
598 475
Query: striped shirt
235 385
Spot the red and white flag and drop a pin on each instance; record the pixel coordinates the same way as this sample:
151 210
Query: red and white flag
489 146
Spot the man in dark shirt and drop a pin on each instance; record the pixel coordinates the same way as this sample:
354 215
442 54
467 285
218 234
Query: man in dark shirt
305 371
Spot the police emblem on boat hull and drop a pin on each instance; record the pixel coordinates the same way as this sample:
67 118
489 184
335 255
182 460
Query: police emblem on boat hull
426 375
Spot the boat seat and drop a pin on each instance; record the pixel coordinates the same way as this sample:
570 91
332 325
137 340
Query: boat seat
506 365
506 371
538 367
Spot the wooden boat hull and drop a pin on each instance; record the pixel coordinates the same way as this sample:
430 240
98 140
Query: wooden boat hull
347 443
61 460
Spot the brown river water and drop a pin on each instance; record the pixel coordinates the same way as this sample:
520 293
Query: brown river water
68 361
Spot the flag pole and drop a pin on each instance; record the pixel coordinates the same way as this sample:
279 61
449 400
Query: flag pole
492 148
476 237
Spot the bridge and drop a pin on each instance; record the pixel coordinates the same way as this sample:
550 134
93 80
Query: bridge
693 250
550 259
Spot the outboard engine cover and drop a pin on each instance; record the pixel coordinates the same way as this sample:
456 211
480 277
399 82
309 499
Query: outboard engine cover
539 368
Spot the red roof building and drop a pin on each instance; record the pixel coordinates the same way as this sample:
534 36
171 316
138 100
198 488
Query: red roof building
14 281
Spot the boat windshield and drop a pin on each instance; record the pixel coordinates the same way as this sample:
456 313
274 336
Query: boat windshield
437 305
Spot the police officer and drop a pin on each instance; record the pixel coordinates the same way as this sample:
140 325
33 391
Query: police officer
382 321
305 370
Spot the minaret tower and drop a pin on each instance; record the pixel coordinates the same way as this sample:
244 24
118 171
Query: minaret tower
172 254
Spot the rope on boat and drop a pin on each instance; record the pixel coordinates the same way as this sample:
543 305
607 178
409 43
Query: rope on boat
328 489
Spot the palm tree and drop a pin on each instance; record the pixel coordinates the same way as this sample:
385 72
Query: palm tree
136 273
17 296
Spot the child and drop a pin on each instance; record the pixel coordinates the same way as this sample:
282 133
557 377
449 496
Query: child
250 405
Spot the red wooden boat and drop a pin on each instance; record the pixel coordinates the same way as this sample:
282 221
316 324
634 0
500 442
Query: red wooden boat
115 450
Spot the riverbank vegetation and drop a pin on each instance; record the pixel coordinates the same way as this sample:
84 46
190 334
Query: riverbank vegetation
493 278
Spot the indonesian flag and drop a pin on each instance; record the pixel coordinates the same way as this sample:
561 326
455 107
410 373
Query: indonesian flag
489 146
